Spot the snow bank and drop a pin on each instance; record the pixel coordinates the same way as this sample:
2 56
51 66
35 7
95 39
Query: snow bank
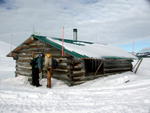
5 48
6 63
120 93
20 80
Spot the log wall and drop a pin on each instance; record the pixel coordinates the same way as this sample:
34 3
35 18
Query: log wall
117 65
107 67
69 70
23 66
72 71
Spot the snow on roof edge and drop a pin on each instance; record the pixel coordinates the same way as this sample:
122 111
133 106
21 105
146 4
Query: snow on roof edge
87 51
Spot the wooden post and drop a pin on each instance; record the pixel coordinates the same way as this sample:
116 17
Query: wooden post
98 67
49 76
138 65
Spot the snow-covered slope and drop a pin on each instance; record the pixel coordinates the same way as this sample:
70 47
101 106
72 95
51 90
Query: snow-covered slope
5 48
6 64
120 93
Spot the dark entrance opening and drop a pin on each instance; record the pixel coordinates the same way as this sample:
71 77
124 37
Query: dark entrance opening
93 66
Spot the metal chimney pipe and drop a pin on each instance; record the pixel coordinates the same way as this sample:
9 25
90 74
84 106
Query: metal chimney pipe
75 37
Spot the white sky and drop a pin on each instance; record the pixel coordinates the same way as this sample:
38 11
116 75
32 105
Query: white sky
106 21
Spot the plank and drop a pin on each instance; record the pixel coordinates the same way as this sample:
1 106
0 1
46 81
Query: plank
117 69
118 65
61 70
23 73
23 69
24 66
78 72
78 82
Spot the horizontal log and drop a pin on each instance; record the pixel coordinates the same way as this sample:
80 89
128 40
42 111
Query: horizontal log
23 73
51 50
76 69
63 66
29 53
38 46
25 55
37 42
32 49
72 61
63 59
78 78
93 73
24 66
23 63
21 47
114 60
116 69
61 70
23 69
117 65
117 61
24 60
78 72
78 82
91 77
78 66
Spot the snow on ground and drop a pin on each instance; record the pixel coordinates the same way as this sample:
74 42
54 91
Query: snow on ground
120 93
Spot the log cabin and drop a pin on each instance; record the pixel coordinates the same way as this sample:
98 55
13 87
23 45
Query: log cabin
80 62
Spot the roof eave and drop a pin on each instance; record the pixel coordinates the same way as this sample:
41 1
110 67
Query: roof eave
58 46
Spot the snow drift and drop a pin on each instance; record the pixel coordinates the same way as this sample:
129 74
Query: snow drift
6 63
120 93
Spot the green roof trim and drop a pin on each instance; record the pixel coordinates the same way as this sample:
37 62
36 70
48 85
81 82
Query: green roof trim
45 40
72 53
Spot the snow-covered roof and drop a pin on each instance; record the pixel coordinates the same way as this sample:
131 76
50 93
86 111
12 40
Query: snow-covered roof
84 49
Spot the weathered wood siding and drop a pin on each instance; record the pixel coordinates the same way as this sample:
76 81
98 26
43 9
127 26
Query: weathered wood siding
71 70
23 66
95 68
117 65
